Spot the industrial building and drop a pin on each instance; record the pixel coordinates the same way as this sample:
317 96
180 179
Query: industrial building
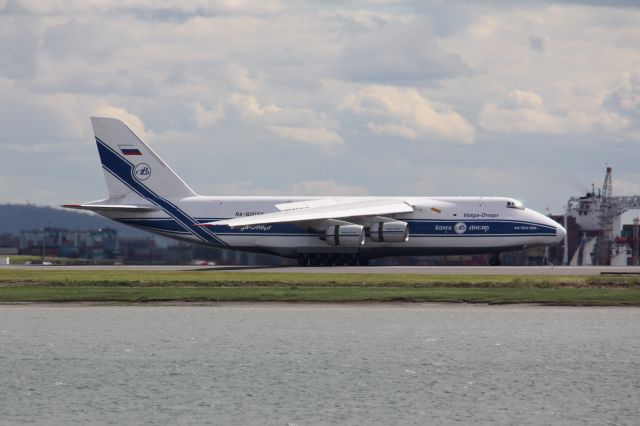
595 233
59 242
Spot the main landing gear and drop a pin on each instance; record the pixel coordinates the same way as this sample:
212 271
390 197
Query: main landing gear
331 259
494 260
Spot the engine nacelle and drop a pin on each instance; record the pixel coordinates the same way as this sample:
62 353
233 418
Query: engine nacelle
389 232
345 235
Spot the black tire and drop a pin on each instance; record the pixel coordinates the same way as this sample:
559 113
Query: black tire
363 261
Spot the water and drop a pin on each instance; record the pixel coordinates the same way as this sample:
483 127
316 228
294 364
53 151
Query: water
276 364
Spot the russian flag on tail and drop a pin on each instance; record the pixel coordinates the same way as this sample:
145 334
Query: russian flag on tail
129 150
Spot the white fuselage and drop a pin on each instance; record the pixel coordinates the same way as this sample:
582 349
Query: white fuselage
146 193
438 225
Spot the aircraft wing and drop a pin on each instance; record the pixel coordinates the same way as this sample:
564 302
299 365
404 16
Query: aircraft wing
325 210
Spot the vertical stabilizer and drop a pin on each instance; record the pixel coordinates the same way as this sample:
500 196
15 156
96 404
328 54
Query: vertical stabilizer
130 166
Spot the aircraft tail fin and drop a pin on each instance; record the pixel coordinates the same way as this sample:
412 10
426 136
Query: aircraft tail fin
131 167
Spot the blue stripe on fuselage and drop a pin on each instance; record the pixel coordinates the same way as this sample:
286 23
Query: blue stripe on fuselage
478 228
417 228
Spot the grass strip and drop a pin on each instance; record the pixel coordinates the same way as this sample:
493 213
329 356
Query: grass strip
559 296
142 278
135 286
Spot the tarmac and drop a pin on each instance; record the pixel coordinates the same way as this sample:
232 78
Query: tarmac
429 270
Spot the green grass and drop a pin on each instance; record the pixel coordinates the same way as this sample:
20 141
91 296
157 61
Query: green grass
215 278
320 294
137 286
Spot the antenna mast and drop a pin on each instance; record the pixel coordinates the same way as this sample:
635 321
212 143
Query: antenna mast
606 221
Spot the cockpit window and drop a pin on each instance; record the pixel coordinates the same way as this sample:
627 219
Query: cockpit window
515 204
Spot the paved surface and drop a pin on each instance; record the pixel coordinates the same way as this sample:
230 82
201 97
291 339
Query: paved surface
432 270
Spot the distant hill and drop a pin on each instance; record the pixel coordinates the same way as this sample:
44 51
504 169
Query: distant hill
17 217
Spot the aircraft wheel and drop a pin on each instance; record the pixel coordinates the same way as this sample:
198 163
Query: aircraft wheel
363 261
303 260
495 260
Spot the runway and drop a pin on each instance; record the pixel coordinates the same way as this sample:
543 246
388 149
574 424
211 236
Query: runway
428 270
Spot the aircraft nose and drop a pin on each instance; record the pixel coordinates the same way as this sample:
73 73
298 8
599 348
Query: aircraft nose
560 232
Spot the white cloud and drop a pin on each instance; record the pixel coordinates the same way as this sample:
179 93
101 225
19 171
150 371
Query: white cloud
44 122
295 124
240 77
521 99
359 19
18 49
406 113
290 84
244 106
310 135
191 6
585 48
390 54
625 97
248 106
393 130
525 112
207 118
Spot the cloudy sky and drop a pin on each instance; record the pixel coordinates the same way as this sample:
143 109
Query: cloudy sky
529 99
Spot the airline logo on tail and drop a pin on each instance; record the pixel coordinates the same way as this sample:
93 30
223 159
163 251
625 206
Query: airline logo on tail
142 171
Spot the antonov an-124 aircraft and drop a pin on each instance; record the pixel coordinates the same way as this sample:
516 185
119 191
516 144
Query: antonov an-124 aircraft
145 193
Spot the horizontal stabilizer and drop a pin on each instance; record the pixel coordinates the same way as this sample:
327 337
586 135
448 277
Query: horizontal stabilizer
375 207
112 207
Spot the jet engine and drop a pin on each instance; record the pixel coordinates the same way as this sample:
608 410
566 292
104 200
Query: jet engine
345 235
389 232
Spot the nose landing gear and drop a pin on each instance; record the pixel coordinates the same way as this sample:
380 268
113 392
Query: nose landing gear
494 260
